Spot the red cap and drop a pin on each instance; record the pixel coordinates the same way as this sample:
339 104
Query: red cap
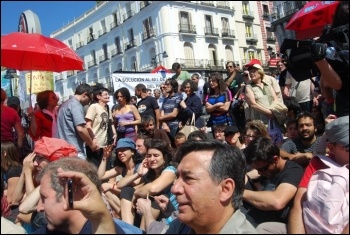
252 62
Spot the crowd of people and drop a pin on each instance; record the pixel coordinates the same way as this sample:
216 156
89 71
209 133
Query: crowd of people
129 168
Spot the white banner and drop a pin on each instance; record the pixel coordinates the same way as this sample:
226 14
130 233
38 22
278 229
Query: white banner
130 80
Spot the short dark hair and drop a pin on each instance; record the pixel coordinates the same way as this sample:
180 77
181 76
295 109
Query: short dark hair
141 87
231 62
176 66
82 88
227 162
261 149
197 134
305 115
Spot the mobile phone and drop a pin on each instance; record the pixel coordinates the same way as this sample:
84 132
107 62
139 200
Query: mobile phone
70 192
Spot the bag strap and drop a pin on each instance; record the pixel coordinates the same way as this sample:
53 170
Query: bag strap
329 162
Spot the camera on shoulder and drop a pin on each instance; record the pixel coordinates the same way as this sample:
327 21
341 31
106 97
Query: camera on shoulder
301 55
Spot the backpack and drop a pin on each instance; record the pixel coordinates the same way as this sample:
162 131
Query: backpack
326 209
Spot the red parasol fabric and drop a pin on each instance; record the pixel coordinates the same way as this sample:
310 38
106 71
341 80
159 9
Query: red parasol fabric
160 68
313 14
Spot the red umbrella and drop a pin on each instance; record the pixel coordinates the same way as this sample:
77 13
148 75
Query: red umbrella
160 68
32 51
313 14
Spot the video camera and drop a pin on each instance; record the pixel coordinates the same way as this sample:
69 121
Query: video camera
300 55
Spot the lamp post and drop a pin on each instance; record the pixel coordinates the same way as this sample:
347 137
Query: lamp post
154 59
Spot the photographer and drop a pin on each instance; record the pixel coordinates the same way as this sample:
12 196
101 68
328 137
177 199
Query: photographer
333 74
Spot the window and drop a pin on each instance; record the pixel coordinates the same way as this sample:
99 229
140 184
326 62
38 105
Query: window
224 23
117 44
93 56
184 22
229 53
248 31
105 53
147 28
189 55
103 27
245 8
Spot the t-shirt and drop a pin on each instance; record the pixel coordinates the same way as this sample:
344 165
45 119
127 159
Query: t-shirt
294 146
9 117
99 117
290 174
70 115
147 106
43 119
236 83
182 76
169 104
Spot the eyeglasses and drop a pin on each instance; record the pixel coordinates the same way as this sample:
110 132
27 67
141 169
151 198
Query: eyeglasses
119 96
262 169
230 66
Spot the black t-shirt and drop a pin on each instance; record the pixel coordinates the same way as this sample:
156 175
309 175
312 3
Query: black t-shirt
291 174
282 78
147 106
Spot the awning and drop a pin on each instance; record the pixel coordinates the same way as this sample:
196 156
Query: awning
273 62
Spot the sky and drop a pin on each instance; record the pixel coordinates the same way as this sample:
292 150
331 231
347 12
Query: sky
52 15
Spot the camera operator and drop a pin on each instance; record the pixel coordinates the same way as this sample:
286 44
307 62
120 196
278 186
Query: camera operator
334 73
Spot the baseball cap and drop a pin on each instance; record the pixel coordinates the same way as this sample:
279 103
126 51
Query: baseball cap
336 131
13 100
231 130
125 143
253 62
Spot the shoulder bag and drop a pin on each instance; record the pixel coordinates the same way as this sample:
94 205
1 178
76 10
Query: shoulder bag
189 127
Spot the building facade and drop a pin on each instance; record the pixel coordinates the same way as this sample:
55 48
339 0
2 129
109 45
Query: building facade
132 36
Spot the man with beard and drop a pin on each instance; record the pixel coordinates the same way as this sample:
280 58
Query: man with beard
148 129
301 149
270 205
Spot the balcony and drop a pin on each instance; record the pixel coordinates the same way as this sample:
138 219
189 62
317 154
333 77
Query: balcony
151 33
130 44
102 31
228 33
286 9
128 15
191 63
116 51
187 28
270 37
248 15
207 3
79 44
103 58
114 24
266 15
90 38
58 78
92 63
215 64
223 4
209 31
251 37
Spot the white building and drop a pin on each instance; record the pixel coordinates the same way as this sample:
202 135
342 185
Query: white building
132 36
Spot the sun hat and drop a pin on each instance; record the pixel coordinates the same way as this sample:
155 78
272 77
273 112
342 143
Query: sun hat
126 143
53 149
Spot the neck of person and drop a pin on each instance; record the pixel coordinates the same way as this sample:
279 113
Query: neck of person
103 104
308 142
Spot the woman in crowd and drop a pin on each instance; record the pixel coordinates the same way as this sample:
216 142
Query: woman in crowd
126 116
191 105
42 119
157 172
127 162
218 102
10 167
259 95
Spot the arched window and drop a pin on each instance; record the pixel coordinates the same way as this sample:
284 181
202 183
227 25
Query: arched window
189 55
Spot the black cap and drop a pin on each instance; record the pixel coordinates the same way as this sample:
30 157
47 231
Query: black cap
231 130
